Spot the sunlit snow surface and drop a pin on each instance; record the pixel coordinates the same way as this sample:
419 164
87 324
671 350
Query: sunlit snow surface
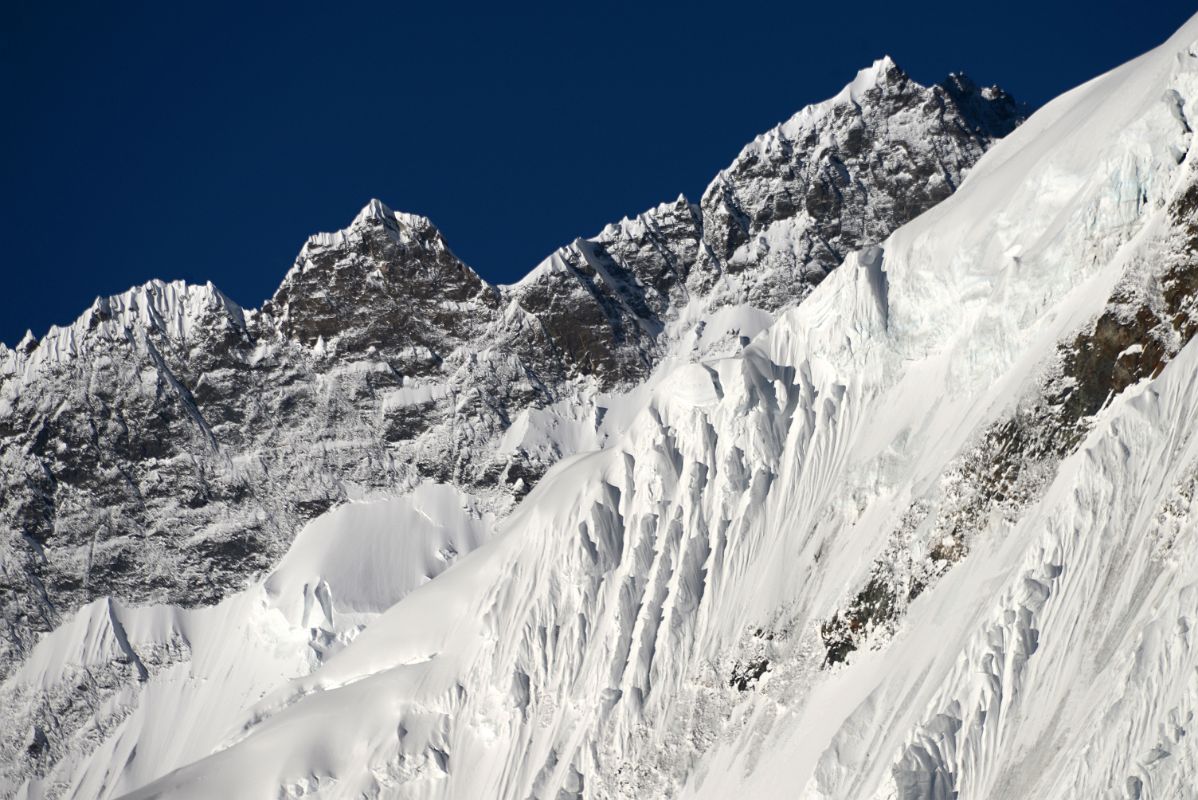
342 570
585 649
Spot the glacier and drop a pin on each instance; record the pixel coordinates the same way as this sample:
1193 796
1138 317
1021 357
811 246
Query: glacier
928 533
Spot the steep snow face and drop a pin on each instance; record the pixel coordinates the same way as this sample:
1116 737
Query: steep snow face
1057 660
893 548
167 446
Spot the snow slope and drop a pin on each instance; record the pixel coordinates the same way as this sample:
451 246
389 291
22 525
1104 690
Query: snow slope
871 555
196 670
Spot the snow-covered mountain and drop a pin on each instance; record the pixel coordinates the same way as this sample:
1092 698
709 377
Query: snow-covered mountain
834 485
167 446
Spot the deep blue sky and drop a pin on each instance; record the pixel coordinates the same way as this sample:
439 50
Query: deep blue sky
206 142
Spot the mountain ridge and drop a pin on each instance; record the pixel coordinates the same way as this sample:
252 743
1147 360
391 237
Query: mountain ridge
986 121
815 487
168 445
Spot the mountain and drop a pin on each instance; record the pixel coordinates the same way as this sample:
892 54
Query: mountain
861 478
167 446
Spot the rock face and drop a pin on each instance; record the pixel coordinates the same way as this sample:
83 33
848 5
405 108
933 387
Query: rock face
389 285
167 445
837 176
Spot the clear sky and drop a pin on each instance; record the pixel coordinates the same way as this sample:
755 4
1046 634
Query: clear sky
206 141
